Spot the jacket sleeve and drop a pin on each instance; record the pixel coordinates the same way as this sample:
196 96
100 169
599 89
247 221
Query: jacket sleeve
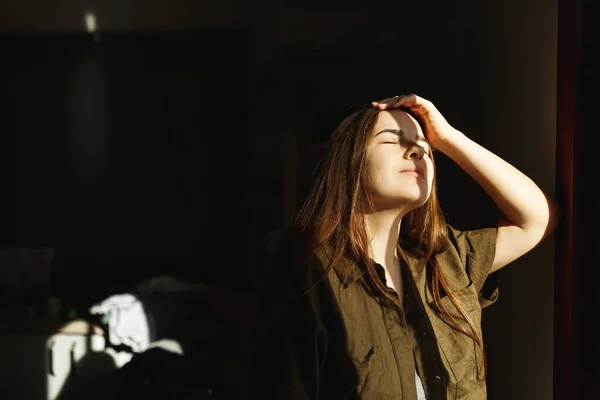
477 249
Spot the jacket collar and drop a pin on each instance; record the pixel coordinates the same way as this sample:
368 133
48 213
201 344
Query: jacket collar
346 269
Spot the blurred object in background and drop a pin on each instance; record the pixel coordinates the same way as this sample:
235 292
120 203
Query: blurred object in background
24 281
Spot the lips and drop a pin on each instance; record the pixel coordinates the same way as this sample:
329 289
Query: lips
414 170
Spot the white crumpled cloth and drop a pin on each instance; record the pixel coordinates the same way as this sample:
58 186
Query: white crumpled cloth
127 321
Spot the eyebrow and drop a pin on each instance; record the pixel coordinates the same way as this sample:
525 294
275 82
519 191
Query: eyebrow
400 133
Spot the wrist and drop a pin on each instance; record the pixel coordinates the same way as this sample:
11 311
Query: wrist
451 140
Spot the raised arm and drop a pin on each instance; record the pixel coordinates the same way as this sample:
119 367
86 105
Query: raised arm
530 215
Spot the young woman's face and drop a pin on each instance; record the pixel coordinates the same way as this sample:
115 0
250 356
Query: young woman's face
398 162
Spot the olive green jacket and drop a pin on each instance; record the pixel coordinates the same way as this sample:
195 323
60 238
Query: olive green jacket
334 338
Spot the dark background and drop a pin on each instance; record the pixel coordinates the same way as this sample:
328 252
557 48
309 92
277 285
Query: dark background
129 155
163 143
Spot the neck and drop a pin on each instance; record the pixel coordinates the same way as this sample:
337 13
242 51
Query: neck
383 229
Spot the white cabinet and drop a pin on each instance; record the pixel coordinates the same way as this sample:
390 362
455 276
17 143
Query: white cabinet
72 358
68 364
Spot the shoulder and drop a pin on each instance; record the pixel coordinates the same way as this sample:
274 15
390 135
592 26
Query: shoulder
471 252
476 242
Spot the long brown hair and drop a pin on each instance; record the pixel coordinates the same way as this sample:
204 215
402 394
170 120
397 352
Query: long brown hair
332 215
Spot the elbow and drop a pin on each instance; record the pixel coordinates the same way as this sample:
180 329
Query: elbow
551 219
544 223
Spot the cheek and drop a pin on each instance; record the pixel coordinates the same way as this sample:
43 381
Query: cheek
371 167
430 179
375 178
430 172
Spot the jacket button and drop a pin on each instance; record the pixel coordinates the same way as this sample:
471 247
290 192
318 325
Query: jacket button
438 379
423 333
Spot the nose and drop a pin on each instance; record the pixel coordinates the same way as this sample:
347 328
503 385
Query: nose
416 152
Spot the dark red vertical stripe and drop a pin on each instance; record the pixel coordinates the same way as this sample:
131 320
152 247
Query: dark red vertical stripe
567 370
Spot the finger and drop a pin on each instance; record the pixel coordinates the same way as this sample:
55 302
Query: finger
378 105
407 100
384 103
390 99
398 101
412 100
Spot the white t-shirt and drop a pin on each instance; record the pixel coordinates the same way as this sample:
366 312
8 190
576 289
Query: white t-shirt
420 389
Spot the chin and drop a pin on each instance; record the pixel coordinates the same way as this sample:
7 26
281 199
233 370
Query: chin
400 203
419 202
418 198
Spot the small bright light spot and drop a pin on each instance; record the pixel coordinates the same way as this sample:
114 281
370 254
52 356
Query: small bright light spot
90 22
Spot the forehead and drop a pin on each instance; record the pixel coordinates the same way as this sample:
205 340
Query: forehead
398 120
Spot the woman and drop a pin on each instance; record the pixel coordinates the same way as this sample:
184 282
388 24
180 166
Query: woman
377 296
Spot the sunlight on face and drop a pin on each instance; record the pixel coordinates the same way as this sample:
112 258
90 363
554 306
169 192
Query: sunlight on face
398 162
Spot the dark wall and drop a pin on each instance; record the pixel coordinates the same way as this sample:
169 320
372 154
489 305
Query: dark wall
128 153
